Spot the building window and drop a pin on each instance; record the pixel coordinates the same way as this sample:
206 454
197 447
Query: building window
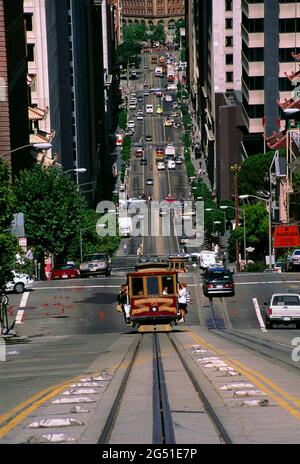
228 5
30 52
228 23
229 41
229 77
229 58
28 21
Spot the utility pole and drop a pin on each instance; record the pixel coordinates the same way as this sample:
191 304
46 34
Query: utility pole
235 170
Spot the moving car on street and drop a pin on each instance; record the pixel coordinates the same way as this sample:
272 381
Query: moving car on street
218 281
65 271
95 264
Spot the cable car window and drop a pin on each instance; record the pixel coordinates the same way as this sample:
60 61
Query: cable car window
137 286
168 282
152 286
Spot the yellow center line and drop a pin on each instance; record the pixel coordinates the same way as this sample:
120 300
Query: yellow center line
33 403
256 377
41 398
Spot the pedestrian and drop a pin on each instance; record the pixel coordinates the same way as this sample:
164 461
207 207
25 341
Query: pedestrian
30 257
183 299
139 250
19 258
125 248
126 304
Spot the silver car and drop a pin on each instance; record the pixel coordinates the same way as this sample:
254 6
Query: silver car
95 264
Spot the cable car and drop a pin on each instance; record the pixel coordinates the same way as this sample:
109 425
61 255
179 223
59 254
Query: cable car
153 297
177 263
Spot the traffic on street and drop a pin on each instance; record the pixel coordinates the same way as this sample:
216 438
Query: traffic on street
204 365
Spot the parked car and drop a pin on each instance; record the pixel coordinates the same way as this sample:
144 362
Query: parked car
65 271
279 266
19 283
218 281
293 262
283 308
95 264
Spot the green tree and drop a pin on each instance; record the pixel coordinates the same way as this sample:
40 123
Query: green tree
91 241
253 176
128 51
8 243
178 25
158 34
134 33
53 209
257 232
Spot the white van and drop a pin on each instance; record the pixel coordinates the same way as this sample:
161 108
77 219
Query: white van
149 108
171 164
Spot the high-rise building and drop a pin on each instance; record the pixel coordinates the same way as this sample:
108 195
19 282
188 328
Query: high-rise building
14 126
271 35
80 78
38 78
153 12
214 73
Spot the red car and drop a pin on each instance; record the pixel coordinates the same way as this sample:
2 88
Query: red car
64 271
139 152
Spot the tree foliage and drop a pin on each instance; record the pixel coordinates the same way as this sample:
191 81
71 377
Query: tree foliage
257 232
134 32
254 174
8 242
128 51
52 206
158 34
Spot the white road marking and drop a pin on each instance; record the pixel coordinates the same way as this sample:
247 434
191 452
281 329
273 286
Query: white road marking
259 316
23 304
269 282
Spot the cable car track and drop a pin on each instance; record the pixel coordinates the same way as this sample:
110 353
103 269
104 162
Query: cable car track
163 404
266 347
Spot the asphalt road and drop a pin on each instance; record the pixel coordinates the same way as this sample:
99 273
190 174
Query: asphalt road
66 325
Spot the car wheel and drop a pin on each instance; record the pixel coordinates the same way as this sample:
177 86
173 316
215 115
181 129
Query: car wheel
269 325
19 287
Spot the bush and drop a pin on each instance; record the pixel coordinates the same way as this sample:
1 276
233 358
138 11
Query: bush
255 267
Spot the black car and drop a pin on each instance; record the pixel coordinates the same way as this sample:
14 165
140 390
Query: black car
218 281
148 138
143 162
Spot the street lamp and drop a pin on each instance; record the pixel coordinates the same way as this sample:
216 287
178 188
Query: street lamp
36 146
269 201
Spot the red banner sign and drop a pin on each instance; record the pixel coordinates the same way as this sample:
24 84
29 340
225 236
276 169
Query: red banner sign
286 236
